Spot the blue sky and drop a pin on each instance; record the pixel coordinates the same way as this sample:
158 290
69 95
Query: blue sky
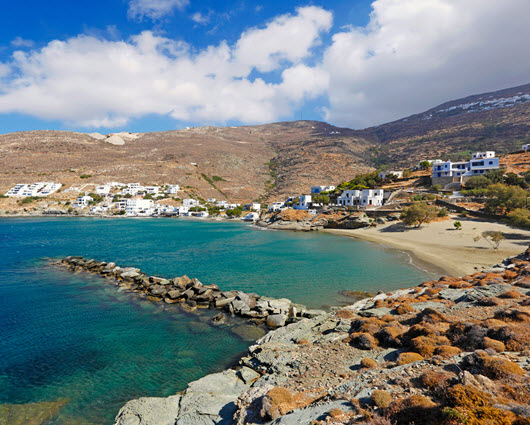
149 65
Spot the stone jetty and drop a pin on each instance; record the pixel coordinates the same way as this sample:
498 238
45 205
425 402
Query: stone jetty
193 294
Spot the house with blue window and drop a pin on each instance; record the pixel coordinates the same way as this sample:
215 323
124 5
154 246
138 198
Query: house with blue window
454 172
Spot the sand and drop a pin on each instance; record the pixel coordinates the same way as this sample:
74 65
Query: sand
441 249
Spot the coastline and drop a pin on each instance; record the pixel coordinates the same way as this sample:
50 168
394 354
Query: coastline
439 248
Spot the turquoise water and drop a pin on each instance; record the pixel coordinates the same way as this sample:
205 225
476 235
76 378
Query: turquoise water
73 336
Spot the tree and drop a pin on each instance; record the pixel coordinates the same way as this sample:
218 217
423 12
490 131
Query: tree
458 225
424 165
520 217
417 214
512 179
478 182
495 176
506 198
494 238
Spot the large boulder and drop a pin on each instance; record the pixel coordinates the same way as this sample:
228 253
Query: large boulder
149 411
276 320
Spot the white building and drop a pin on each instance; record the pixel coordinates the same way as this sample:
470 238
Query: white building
211 200
17 190
173 189
253 207
34 189
182 210
231 206
430 161
133 189
480 163
384 174
115 184
190 203
152 190
82 201
139 207
103 190
304 203
526 147
320 189
361 198
275 206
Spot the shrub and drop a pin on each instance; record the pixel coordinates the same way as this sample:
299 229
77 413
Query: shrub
368 363
505 198
406 358
85 176
519 217
498 368
498 346
442 212
381 398
29 199
363 341
447 351
417 214
511 294
416 409
277 402
431 379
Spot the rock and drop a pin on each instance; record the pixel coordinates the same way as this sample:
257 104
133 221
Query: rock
157 290
248 375
279 306
220 303
150 411
174 294
130 275
452 294
249 332
218 319
276 320
313 313
477 293
240 306
188 294
305 416
375 312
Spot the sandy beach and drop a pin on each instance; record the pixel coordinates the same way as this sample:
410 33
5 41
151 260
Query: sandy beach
439 248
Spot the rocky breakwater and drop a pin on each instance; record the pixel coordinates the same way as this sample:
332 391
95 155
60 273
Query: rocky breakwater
192 294
447 352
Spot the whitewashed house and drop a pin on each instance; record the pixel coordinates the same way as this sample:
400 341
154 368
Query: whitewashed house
211 200
152 190
253 207
17 190
133 189
190 203
384 174
173 189
221 204
182 210
480 163
103 190
139 207
231 206
83 201
526 147
319 189
361 198
275 206
304 203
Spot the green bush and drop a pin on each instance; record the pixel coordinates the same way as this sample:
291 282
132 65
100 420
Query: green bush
417 214
29 199
218 179
442 212
520 217
85 176
478 182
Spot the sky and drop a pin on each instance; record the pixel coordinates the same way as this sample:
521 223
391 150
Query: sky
154 65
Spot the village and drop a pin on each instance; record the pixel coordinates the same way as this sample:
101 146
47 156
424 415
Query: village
383 189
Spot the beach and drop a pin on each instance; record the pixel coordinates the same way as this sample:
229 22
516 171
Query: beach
439 248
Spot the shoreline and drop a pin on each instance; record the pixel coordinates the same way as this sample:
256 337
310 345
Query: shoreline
439 248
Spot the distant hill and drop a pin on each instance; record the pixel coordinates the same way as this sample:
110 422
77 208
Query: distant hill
271 160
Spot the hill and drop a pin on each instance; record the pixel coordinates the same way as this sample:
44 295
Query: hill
267 161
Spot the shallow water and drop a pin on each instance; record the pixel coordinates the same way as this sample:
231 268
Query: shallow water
74 336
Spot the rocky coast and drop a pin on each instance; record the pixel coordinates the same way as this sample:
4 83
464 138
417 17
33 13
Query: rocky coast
449 351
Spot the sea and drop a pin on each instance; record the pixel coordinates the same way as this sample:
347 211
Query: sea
74 344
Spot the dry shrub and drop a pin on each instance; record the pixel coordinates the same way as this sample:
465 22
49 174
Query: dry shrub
476 406
381 398
433 291
388 318
498 346
379 304
525 302
513 315
498 368
345 314
447 351
390 335
511 294
363 341
516 337
277 402
406 358
429 315
509 275
336 412
426 345
416 409
303 342
404 308
368 363
431 379
369 325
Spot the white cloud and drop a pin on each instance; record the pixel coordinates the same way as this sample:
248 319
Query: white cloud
21 42
92 82
415 54
154 9
200 18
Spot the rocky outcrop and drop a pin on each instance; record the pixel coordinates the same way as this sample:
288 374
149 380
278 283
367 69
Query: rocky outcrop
193 294
449 351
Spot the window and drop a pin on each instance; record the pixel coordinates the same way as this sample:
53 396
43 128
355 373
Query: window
491 162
